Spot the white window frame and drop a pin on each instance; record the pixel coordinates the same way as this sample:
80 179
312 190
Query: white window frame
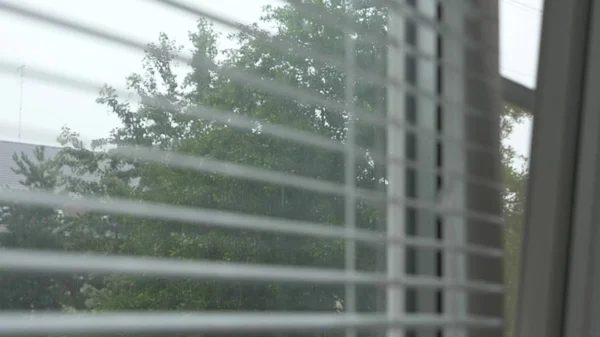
558 289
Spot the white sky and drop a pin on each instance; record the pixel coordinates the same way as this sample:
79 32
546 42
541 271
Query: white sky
48 107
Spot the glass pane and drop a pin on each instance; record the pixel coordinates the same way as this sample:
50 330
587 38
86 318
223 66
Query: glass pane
36 111
520 24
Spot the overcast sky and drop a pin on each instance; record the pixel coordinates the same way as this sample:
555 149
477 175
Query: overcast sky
48 107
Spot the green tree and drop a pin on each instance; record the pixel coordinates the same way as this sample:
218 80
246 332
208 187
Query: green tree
32 227
515 183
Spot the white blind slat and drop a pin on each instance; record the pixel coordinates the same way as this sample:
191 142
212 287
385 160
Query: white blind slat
15 324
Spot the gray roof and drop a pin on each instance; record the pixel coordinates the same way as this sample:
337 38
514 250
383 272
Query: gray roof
7 148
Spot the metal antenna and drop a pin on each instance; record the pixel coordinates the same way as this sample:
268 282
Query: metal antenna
22 69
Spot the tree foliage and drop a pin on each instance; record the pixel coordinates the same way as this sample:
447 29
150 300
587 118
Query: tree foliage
515 184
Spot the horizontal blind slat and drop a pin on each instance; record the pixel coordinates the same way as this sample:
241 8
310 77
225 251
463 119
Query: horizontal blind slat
228 219
230 169
130 322
196 216
213 218
24 260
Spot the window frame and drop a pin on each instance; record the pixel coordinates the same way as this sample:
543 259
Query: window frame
582 301
557 200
